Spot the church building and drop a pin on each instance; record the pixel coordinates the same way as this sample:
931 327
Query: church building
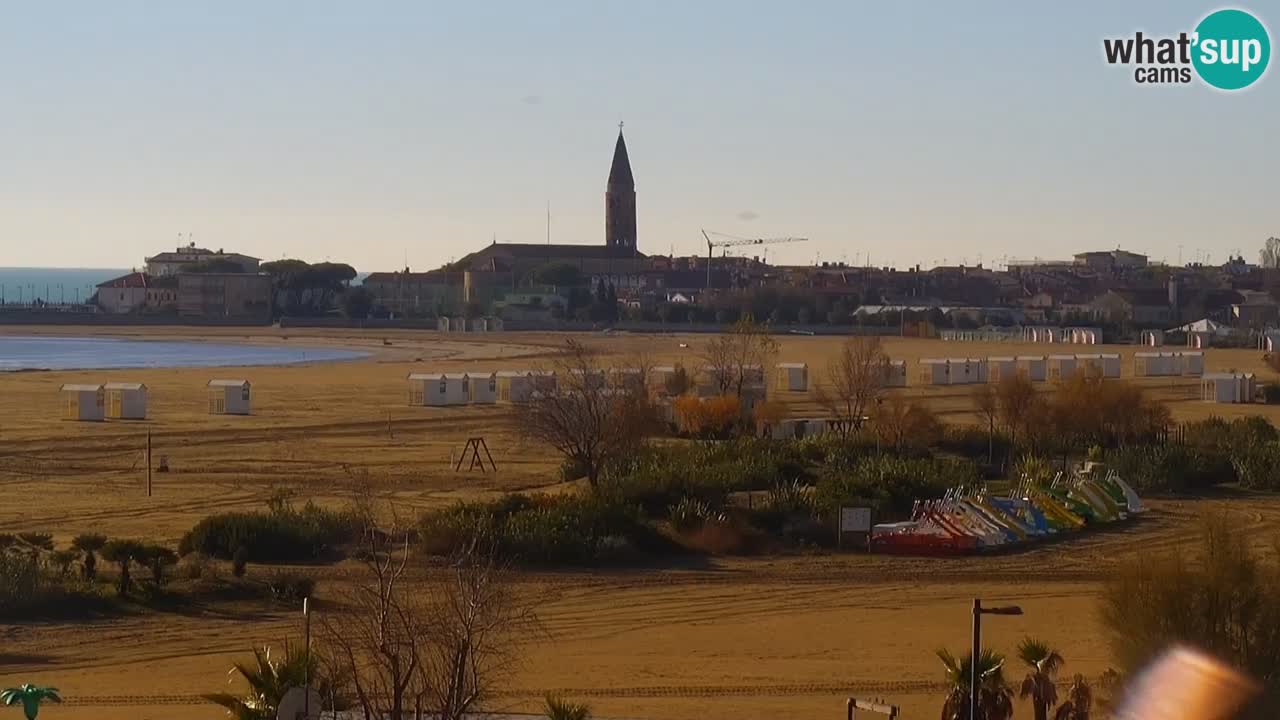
616 258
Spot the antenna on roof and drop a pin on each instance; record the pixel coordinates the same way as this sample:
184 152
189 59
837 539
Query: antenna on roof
548 222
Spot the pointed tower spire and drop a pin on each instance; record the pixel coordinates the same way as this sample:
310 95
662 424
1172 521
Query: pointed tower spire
620 199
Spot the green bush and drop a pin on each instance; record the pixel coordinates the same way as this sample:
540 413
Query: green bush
1271 393
29 589
972 441
290 587
656 478
1257 465
692 513
543 529
1172 468
890 485
280 535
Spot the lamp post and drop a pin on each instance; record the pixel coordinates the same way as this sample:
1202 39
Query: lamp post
306 624
978 612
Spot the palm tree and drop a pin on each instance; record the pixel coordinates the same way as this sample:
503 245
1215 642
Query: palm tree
995 697
268 681
1043 663
29 697
1079 701
560 709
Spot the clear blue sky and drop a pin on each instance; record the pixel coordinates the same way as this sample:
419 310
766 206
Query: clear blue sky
362 131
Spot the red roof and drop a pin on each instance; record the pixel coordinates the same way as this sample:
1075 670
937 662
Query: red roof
132 280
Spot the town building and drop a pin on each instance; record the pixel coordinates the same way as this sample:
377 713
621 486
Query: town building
190 257
244 296
137 292
1110 261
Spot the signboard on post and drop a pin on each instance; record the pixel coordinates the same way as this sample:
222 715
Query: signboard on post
855 521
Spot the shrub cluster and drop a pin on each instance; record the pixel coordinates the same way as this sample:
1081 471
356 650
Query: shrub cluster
1207 453
282 534
890 485
541 529
658 477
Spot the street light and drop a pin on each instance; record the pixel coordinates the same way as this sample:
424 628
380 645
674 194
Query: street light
978 612
306 622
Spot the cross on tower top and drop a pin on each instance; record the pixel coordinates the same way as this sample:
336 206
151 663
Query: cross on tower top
620 123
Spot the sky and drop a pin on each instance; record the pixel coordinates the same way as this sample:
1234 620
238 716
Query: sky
381 132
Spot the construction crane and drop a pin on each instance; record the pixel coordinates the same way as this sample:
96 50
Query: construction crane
729 241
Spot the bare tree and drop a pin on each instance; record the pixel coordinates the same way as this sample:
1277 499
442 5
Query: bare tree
478 622
585 422
855 381
901 424
986 403
379 639
1270 255
436 650
1018 404
733 359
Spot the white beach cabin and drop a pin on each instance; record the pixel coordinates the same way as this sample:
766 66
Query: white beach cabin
438 389
442 324
1227 387
1192 363
961 371
1110 365
999 368
586 379
82 402
895 374
544 381
1152 364
934 371
659 378
1152 338
1089 363
483 388
1033 366
514 386
1060 367
1270 341
126 401
230 397
792 377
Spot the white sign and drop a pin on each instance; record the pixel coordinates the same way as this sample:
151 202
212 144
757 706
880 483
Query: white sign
855 520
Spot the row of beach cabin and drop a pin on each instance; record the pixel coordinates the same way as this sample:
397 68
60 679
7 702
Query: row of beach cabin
1036 368
1168 364
462 324
506 386
128 401
118 401
1228 387
794 377
1072 335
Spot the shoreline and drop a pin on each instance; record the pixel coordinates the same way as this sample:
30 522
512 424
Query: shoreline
194 361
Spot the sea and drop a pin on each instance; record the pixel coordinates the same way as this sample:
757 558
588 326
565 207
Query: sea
21 285
97 353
